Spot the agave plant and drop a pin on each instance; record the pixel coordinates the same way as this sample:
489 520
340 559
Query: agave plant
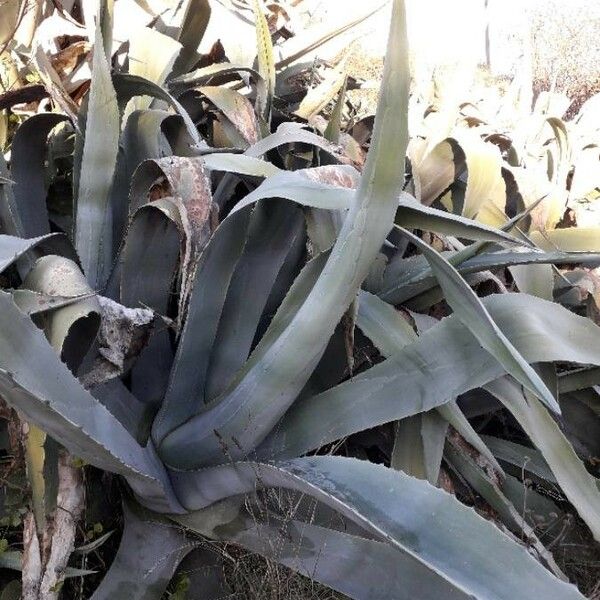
189 326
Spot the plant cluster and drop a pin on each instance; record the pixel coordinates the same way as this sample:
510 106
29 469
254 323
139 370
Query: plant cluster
310 339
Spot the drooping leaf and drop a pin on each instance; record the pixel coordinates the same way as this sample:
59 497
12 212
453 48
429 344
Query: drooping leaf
28 154
13 248
128 86
331 189
407 279
237 110
49 396
148 555
410 515
241 164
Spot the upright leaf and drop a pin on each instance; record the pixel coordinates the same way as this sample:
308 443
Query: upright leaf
266 61
93 222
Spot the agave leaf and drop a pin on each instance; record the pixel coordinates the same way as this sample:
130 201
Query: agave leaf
416 277
320 96
272 231
465 150
585 173
93 218
266 62
332 557
391 506
202 569
578 379
151 56
204 75
106 11
563 162
570 239
290 133
390 332
419 445
295 297
483 483
49 396
10 221
135 415
263 390
28 155
434 173
195 22
418 439
53 84
536 280
236 109
93 545
147 275
241 164
473 314
128 86
71 331
211 282
383 324
315 36
445 362
142 139
307 188
148 555
150 257
334 125
13 248
455 417
578 485
72 328
190 206
415 215
13 559
484 175
523 458
33 303
329 188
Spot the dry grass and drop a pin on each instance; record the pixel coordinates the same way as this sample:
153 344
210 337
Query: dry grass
251 577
